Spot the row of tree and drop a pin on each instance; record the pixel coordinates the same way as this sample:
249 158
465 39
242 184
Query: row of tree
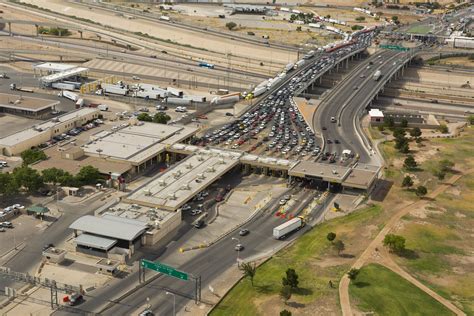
30 180
159 117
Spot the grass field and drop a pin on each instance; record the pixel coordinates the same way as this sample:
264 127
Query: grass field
420 29
303 256
379 290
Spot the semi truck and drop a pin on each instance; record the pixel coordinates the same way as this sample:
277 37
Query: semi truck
377 75
114 89
15 88
284 229
63 86
68 95
225 99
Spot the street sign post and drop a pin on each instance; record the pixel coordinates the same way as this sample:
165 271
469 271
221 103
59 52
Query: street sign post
163 268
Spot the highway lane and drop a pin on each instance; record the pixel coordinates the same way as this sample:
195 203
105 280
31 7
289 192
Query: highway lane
350 114
171 64
336 99
209 263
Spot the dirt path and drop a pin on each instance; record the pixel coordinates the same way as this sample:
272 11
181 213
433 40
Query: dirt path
377 243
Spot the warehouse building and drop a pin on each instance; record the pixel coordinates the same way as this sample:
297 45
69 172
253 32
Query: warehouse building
20 105
16 143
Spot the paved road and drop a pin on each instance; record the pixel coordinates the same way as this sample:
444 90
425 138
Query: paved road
345 102
209 263
29 257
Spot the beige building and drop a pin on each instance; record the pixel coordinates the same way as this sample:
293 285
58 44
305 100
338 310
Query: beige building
15 144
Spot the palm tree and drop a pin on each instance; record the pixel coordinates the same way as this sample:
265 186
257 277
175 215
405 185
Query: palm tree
249 270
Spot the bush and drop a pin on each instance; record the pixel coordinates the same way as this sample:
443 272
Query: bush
231 25
394 242
443 128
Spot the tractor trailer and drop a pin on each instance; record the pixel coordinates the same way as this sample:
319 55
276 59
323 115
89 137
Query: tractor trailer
284 229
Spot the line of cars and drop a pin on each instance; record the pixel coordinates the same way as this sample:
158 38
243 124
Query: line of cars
289 134
71 133
8 211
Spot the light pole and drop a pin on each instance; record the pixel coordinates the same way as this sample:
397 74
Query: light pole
238 249
174 302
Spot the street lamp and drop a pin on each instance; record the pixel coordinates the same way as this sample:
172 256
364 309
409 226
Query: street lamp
238 249
174 302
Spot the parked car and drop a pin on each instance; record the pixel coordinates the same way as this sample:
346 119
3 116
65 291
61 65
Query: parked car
199 224
7 224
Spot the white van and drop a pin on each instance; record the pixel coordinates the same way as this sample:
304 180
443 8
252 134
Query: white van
103 107
333 119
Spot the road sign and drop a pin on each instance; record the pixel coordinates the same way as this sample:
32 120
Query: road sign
162 268
395 47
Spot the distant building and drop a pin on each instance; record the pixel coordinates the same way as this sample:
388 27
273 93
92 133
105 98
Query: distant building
375 115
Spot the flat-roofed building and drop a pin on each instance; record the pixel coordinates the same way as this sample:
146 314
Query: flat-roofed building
173 188
98 235
16 143
26 106
142 145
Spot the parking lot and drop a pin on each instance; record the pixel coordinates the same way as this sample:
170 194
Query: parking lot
23 228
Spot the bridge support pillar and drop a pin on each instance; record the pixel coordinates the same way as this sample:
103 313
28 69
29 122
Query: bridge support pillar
320 79
347 63
337 67
37 30
10 28
61 58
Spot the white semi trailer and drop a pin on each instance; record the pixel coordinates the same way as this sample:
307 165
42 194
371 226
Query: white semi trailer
284 229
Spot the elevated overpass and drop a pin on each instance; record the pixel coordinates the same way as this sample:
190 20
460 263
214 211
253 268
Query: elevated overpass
347 101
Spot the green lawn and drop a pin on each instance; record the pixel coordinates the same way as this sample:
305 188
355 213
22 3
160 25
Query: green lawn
380 290
302 256
420 29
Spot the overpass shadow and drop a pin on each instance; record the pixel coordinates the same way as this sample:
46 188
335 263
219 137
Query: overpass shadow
381 189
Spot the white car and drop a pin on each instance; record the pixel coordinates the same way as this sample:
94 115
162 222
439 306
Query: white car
136 78
283 202
18 206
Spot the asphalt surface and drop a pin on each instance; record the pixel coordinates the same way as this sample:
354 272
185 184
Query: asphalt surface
345 102
208 264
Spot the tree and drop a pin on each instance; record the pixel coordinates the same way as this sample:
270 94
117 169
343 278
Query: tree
161 118
339 246
389 121
443 128
8 185
88 175
285 313
407 182
395 243
410 163
395 19
404 123
352 274
470 118
439 174
415 132
298 29
291 279
145 117
360 18
30 156
356 27
421 191
404 148
446 165
230 25
52 175
28 178
331 236
285 293
399 133
249 270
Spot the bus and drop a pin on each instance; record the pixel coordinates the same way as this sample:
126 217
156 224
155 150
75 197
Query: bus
206 65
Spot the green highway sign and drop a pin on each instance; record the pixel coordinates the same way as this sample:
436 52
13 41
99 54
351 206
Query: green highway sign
394 47
162 268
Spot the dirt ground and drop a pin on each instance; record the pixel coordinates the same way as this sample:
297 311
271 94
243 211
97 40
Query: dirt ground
458 61
164 31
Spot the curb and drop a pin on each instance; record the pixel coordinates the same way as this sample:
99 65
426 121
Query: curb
206 245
